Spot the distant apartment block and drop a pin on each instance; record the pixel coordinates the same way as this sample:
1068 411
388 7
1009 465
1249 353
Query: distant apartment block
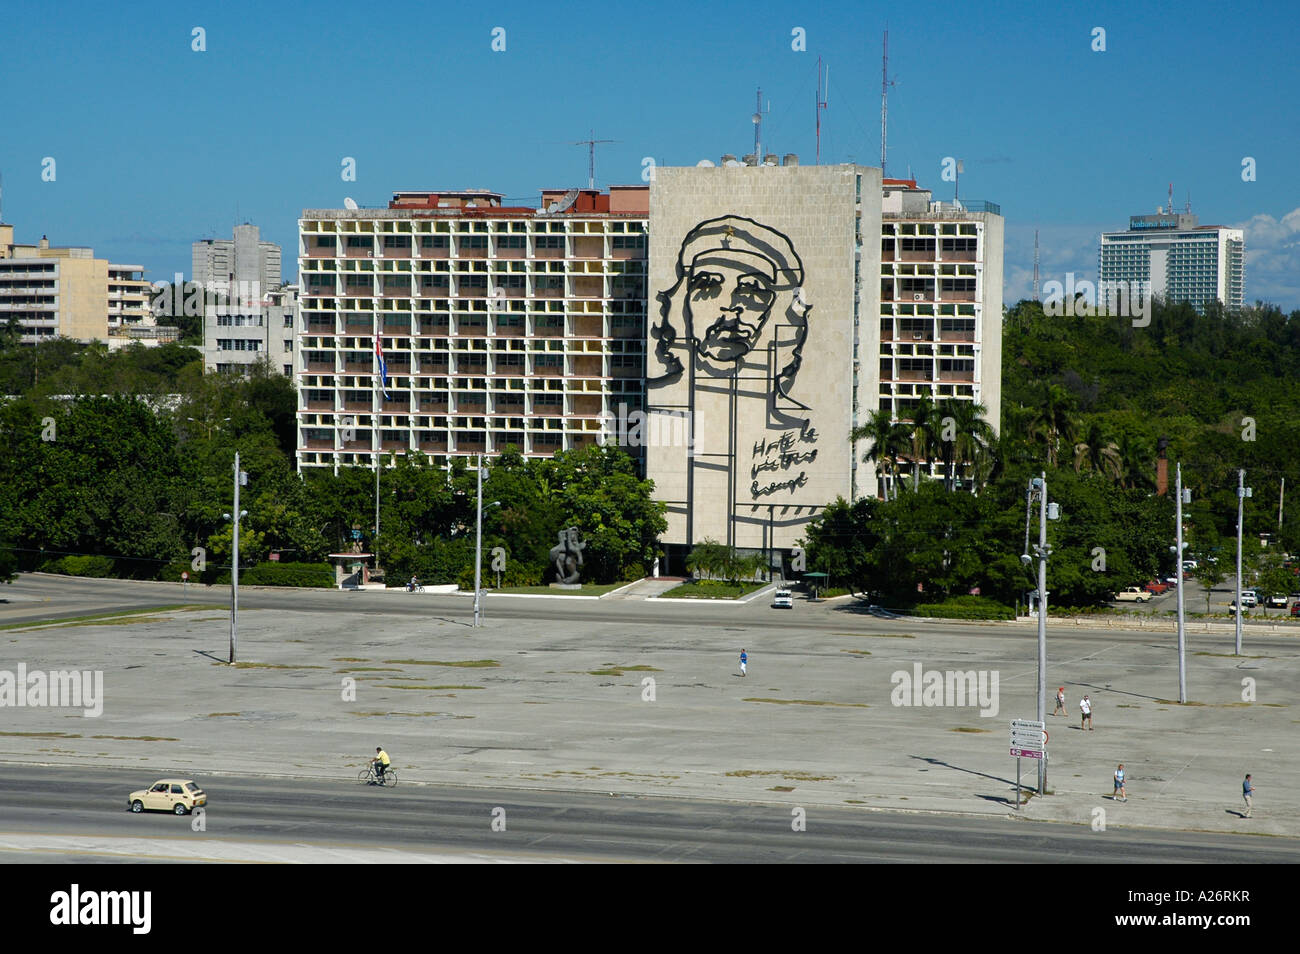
500 325
68 292
1182 260
244 261
241 333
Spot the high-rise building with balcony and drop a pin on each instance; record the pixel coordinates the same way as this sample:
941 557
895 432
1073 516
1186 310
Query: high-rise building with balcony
940 305
1170 255
500 325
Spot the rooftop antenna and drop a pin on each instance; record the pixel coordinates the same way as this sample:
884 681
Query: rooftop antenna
885 83
823 94
1188 208
1171 198
758 124
591 144
1036 265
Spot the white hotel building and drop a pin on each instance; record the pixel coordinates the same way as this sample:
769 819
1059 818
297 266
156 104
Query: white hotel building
500 325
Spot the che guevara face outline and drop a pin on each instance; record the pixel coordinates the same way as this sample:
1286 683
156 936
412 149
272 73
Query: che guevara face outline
729 298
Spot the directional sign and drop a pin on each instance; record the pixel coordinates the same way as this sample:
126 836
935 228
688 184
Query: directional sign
1028 738
1027 753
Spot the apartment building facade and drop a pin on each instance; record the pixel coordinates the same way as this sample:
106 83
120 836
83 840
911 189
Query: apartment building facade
940 307
499 325
1173 256
67 292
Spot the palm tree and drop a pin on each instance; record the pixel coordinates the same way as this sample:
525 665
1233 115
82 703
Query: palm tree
972 436
888 440
1136 465
1054 420
925 428
1097 452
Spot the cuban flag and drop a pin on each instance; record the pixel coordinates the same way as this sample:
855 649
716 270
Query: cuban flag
383 366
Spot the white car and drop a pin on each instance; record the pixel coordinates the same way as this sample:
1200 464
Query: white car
1248 601
782 600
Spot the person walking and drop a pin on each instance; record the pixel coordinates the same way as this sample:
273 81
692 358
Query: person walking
1248 793
744 661
1085 719
1060 702
1121 795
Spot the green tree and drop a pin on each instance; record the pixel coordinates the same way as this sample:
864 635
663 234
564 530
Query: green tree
887 440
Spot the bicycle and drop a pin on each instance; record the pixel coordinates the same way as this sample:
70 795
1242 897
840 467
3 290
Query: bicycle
417 588
368 776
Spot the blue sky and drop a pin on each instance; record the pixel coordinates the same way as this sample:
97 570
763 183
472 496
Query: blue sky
157 145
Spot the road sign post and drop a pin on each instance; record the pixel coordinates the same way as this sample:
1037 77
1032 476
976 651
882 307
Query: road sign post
1028 741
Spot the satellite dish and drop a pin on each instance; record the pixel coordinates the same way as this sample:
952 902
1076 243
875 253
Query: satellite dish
349 203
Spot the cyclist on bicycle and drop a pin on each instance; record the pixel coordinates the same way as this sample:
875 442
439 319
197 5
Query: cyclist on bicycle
381 762
413 585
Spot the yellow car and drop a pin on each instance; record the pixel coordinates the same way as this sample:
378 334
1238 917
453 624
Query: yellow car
179 795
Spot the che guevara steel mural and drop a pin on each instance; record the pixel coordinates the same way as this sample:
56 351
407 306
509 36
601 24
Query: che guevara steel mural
738 314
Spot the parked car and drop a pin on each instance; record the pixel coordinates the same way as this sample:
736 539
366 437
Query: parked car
179 795
1155 587
1133 594
1248 601
782 600
1295 609
1276 601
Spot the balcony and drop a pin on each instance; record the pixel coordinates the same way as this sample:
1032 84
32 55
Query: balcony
318 444
956 336
433 407
433 447
963 256
956 376
318 406
358 253
358 406
321 251
395 291
957 296
403 252
359 291
320 366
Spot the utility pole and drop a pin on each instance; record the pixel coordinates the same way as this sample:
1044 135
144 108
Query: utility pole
478 544
1281 493
1178 550
1242 493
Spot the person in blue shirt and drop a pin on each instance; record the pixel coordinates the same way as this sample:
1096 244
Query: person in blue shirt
1248 793
744 661
1120 794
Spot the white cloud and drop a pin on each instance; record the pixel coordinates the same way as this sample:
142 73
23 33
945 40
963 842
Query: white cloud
1273 259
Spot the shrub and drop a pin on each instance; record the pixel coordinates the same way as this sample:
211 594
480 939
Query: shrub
96 566
966 607
274 573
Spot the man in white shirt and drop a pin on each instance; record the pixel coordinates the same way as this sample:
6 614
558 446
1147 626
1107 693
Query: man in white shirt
1085 707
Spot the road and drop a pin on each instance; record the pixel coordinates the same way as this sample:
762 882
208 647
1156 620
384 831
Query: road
82 816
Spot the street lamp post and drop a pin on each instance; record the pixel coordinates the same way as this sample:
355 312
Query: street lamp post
241 479
478 543
1042 550
1182 496
1242 493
